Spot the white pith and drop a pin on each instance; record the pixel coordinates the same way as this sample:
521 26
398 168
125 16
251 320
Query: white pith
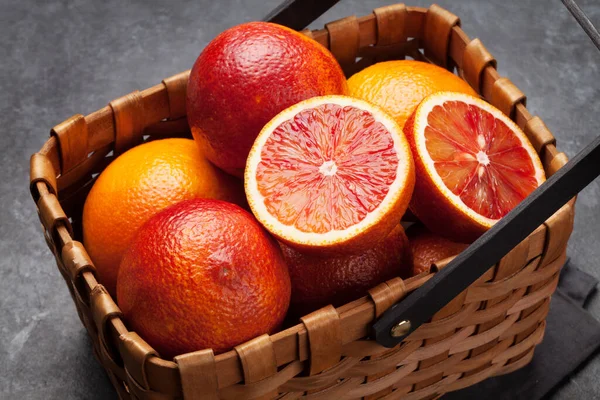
421 122
328 168
483 158
291 233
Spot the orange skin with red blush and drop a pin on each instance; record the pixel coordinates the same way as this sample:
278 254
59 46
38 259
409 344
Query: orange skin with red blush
246 76
202 274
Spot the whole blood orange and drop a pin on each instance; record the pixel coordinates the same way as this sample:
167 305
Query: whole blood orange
331 173
319 280
138 184
473 165
427 248
202 274
399 86
247 75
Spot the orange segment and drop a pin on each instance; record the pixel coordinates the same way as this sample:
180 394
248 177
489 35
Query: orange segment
474 164
330 170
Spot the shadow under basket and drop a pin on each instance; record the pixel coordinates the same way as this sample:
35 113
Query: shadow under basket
490 329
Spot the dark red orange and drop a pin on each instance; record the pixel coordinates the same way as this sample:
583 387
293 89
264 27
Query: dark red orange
319 280
428 248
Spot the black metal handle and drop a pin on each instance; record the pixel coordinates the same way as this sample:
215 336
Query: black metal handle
298 14
403 318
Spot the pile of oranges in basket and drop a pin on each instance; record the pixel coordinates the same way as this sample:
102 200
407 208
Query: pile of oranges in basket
296 189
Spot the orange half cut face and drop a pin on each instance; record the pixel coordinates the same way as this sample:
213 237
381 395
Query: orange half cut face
328 170
473 163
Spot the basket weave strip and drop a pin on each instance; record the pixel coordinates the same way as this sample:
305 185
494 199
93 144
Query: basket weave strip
490 329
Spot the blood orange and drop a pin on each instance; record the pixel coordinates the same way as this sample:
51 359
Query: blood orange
473 165
427 248
332 172
319 280
246 76
202 274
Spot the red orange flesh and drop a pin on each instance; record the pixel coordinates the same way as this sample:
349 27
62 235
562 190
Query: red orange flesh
324 181
479 158
473 165
328 172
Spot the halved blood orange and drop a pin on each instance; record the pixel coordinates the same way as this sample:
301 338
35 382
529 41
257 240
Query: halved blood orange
473 165
331 173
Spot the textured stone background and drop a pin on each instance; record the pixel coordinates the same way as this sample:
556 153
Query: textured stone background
59 58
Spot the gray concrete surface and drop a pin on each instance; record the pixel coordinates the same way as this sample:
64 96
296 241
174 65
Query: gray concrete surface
58 58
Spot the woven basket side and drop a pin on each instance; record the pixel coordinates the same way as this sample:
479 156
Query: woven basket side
62 173
490 329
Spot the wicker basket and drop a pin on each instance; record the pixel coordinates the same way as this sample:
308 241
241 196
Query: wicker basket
490 329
